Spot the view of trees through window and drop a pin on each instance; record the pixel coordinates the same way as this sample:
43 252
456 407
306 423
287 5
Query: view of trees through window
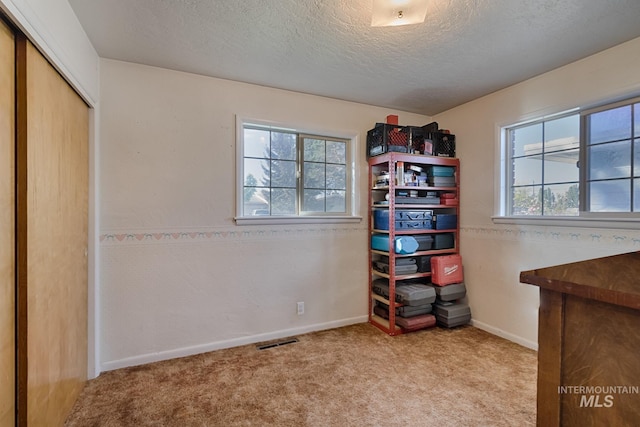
325 175
531 201
275 160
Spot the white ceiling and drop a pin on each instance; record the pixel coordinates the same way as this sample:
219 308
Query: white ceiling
465 49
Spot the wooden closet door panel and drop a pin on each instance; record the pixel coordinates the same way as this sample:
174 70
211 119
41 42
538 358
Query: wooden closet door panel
7 226
56 138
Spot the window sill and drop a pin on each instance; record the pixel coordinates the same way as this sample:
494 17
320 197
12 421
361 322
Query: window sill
278 220
584 222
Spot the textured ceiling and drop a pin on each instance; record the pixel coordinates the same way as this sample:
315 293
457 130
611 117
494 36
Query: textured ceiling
465 49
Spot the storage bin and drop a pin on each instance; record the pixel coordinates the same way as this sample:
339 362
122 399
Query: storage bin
406 215
385 138
431 127
404 220
407 310
449 199
446 269
427 200
425 242
437 170
399 270
445 221
399 261
416 140
381 219
444 144
407 294
402 245
442 181
451 315
443 241
414 225
451 292
424 263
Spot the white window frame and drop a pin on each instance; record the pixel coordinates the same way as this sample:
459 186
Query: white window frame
630 216
352 199
508 167
614 220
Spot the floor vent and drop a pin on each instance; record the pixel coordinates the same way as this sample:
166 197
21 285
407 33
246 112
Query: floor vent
277 344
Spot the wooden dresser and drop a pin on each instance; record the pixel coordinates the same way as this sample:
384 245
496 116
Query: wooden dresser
589 342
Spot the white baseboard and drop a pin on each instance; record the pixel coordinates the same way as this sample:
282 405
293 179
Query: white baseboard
252 339
219 345
506 335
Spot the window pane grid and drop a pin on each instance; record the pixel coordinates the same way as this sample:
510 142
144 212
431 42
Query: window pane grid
324 176
286 173
612 154
587 162
543 173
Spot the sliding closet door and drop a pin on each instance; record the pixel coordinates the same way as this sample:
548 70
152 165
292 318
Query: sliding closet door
7 207
53 135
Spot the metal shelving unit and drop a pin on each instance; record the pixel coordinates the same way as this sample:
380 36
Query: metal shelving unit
378 200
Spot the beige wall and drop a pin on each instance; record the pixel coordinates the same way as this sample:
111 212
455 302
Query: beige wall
178 276
494 254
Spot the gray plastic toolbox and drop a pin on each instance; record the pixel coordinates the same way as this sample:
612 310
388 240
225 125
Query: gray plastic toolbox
412 295
408 310
425 242
429 200
451 292
403 265
399 261
400 268
451 315
424 263
443 241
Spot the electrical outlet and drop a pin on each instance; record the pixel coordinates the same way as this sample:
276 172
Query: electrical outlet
300 308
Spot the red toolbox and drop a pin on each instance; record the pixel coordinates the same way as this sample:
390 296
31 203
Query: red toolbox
446 269
409 324
449 199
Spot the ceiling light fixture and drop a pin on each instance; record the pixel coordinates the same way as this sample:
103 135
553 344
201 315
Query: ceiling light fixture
398 12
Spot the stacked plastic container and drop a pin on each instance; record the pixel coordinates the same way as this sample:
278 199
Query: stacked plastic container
417 300
447 278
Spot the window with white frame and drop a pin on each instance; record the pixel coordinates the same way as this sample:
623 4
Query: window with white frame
543 172
612 158
286 173
575 164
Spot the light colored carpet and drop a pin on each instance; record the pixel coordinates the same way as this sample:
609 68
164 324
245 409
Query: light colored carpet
350 376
